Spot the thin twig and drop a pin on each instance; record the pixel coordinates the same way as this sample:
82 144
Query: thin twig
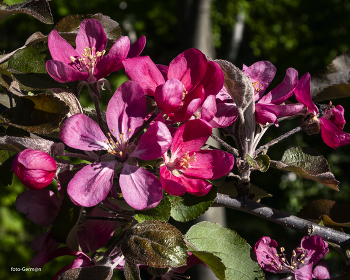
275 141
224 144
279 217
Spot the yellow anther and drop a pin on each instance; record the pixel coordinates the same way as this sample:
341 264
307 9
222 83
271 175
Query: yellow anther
120 153
129 129
282 249
72 58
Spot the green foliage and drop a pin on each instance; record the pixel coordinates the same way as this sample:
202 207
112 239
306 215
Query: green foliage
226 244
160 213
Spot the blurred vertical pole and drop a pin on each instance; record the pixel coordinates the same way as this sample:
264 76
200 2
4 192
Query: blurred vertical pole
199 31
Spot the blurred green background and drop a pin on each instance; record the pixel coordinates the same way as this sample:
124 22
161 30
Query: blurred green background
305 35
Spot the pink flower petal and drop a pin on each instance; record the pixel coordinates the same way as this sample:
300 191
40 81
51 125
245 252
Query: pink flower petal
45 246
226 114
209 108
195 186
210 164
304 273
261 73
41 206
113 60
321 271
126 110
145 72
81 132
141 189
91 184
191 136
284 90
213 80
303 94
164 70
63 73
154 143
171 184
35 159
189 67
332 136
91 35
169 96
268 113
60 49
137 47
315 248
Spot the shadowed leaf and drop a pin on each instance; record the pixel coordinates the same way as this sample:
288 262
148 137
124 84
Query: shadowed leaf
155 243
18 144
188 207
213 262
97 272
39 9
131 271
6 159
334 81
160 213
307 163
229 188
41 113
261 163
330 212
227 245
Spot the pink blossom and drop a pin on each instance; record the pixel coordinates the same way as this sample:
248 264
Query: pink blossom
331 123
125 115
188 167
270 106
87 62
35 169
188 85
310 251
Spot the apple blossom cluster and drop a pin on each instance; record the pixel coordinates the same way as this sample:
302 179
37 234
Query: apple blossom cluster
148 154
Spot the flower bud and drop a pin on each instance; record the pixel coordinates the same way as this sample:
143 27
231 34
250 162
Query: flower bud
34 168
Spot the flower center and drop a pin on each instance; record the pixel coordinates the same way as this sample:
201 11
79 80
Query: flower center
87 61
184 93
257 86
119 148
182 163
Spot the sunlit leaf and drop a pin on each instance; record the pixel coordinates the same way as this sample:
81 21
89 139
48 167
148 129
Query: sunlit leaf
155 243
227 245
188 207
160 213
307 163
39 9
330 212
213 262
261 163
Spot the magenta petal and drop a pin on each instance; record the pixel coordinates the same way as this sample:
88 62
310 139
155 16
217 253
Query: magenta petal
195 186
189 67
213 81
169 96
35 159
63 73
171 184
126 110
191 136
210 164
266 254
303 94
41 206
321 271
91 35
60 49
81 132
338 116
145 72
137 47
284 90
96 233
261 73
92 183
209 108
154 143
226 114
304 273
113 60
315 248
141 189
264 114
164 70
332 136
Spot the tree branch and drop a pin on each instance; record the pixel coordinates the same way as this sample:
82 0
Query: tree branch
279 217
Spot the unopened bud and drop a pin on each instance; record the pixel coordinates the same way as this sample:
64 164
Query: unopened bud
34 168
311 125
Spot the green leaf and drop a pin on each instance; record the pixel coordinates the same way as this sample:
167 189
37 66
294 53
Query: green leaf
331 213
309 164
261 163
213 262
160 213
39 9
131 271
226 244
66 221
6 160
188 207
155 243
68 27
332 82
18 144
41 113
